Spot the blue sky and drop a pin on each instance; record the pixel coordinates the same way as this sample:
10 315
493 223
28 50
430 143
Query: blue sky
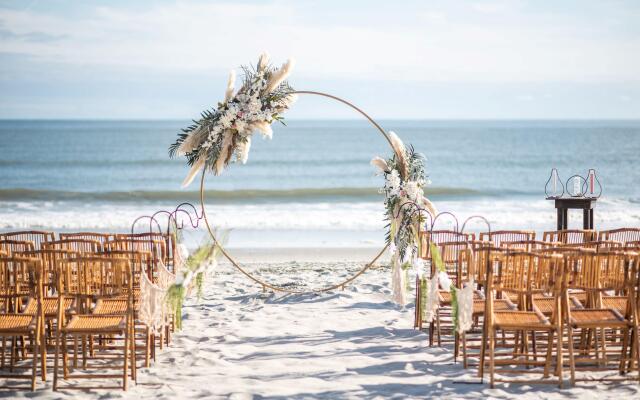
404 59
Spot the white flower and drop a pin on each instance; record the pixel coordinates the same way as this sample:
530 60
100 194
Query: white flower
418 265
226 119
412 190
392 249
254 106
393 183
445 281
183 251
240 125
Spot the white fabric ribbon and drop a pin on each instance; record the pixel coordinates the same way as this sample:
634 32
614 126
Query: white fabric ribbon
153 309
398 282
433 299
465 307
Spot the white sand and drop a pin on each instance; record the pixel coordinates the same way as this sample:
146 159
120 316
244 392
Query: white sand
241 343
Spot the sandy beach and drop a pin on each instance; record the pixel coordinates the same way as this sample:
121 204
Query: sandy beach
242 343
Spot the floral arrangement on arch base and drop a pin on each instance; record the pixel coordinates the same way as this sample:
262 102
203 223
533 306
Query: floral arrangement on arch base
405 203
212 141
405 209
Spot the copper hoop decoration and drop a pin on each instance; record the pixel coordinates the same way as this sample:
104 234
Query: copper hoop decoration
264 284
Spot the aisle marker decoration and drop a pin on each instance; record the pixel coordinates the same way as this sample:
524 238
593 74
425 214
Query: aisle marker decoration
405 207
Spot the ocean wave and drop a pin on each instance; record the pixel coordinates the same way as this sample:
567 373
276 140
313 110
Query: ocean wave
244 195
538 214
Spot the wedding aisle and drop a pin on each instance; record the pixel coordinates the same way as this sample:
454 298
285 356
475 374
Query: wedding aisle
241 343
238 342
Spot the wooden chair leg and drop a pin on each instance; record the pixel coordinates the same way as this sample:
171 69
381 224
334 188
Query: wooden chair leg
125 371
456 348
625 353
147 350
34 366
4 346
603 340
438 332
55 363
559 358
492 361
65 357
547 365
637 348
75 351
465 364
572 360
483 346
42 338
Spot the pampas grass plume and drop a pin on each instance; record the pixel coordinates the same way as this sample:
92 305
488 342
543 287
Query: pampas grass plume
228 95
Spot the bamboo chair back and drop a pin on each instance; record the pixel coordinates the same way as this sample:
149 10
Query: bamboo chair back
141 262
569 236
37 237
623 235
529 245
516 277
524 275
597 245
155 247
450 253
100 237
15 280
49 259
442 236
11 246
597 273
83 246
484 256
500 237
89 278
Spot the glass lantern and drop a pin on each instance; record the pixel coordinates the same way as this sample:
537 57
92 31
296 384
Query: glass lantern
592 187
554 189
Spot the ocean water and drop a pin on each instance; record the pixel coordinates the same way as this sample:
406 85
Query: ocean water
311 184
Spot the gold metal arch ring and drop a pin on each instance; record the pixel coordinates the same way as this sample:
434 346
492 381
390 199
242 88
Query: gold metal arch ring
266 285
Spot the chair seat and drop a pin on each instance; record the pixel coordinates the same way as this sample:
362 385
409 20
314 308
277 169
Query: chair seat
12 292
516 319
498 304
445 297
596 317
546 305
618 303
110 306
580 296
17 323
49 306
95 323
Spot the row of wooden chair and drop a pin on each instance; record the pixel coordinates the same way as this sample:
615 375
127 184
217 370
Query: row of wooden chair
164 245
542 302
81 297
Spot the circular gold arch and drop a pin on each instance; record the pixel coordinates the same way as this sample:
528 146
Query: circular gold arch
264 284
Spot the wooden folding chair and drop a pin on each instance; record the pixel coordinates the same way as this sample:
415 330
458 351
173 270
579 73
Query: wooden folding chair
570 236
519 271
36 237
97 236
10 246
83 246
599 274
623 235
88 280
479 257
17 326
498 238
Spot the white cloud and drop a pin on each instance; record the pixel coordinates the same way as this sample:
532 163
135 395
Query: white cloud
438 45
